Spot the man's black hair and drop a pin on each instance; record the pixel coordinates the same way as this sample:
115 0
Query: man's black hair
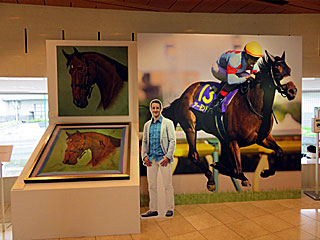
311 149
156 101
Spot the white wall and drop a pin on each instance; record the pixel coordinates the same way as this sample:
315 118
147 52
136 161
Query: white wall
44 23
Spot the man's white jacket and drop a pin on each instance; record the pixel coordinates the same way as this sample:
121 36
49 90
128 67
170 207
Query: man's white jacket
167 138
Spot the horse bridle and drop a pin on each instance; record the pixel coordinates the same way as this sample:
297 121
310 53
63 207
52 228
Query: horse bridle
85 85
277 83
81 150
277 86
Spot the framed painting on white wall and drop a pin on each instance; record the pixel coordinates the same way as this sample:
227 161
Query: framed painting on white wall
90 78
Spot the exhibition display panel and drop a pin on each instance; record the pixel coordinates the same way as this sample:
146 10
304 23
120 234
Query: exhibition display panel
83 177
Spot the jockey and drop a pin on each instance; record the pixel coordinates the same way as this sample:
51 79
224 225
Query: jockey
234 67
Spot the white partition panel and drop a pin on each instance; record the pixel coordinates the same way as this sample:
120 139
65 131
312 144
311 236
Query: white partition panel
82 208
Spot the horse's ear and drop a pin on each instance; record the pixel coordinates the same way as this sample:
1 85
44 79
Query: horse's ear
67 56
78 132
76 52
283 55
68 134
270 57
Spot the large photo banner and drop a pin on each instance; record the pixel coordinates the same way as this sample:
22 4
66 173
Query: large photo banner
255 123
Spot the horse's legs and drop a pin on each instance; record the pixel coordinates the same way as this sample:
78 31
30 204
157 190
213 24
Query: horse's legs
270 143
193 155
187 120
235 154
227 163
224 165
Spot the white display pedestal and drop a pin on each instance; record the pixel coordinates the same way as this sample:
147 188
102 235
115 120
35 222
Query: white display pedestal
5 155
76 209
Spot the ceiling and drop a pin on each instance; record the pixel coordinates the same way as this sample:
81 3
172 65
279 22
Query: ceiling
189 6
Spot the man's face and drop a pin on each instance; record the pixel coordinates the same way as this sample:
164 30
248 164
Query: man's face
251 61
155 110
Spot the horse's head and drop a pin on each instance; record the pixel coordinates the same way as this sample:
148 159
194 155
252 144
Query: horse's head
278 71
278 67
75 148
82 73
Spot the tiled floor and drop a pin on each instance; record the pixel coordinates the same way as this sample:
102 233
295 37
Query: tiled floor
290 219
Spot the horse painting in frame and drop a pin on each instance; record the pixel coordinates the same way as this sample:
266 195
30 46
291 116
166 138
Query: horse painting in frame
76 152
93 80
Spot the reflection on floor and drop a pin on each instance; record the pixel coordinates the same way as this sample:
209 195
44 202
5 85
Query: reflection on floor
291 219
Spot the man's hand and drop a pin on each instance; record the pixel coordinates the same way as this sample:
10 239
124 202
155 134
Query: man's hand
164 161
253 76
146 162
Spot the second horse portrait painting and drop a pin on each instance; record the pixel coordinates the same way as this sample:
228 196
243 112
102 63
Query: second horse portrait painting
83 151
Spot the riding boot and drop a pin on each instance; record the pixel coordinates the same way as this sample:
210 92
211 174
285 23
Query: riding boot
215 105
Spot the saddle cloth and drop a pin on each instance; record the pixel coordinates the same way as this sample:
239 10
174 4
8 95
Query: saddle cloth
208 93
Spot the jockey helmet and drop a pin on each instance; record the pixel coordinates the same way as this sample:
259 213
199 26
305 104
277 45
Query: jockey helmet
253 49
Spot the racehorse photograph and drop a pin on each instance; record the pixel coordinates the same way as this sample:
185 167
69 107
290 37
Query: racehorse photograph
92 80
77 151
258 144
247 120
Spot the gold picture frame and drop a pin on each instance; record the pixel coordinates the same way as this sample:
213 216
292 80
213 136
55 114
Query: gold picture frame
82 152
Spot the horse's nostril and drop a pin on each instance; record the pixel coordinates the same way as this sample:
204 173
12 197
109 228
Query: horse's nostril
292 91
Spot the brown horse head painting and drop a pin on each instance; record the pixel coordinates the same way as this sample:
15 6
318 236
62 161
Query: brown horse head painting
89 68
100 145
248 119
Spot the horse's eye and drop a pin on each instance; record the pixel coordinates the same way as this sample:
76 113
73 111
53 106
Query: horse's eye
278 67
80 68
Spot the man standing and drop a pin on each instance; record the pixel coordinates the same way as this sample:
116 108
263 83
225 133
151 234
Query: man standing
158 144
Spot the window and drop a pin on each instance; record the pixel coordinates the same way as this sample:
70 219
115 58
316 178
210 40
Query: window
310 100
23 118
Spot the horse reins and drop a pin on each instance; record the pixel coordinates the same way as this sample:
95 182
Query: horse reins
81 150
278 88
277 83
85 86
251 107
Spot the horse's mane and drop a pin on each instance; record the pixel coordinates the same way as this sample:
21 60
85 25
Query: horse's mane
263 66
170 111
115 141
120 68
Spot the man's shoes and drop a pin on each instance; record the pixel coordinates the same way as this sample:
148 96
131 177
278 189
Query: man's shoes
150 214
169 213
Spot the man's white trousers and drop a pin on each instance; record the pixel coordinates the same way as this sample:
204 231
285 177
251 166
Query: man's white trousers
152 176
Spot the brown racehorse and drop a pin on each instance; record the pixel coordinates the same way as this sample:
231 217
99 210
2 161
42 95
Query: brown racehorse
89 68
101 147
247 120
